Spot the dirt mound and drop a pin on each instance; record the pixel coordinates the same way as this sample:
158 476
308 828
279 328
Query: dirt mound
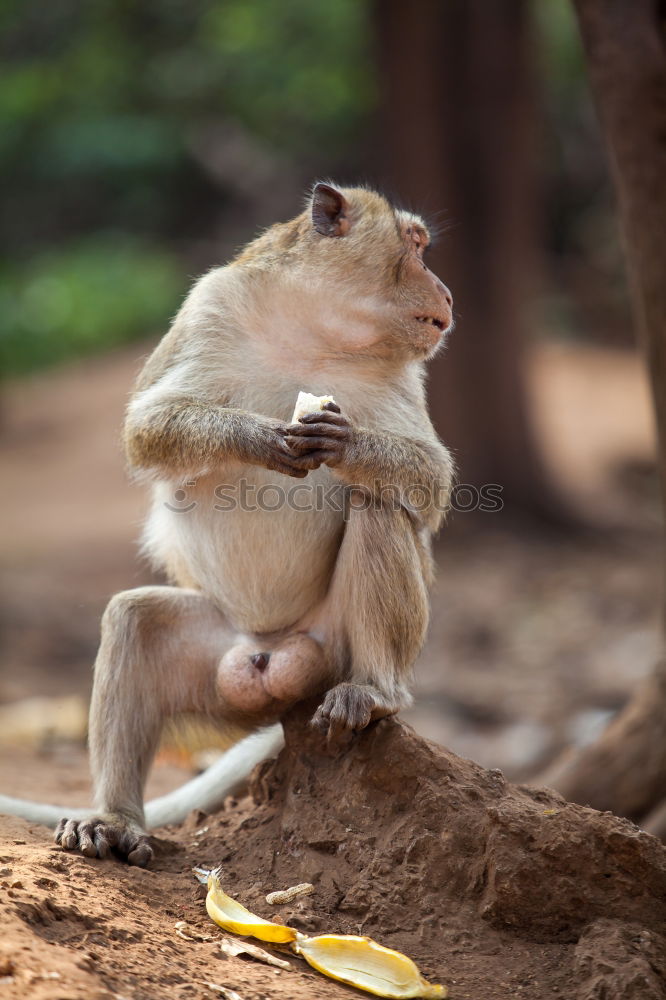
436 856
496 890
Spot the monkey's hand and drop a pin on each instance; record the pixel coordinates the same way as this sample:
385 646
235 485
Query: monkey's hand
348 708
324 436
98 836
270 449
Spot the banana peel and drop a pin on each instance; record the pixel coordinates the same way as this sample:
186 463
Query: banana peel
357 961
232 916
361 962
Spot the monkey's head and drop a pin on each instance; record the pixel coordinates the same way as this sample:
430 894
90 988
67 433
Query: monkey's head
351 269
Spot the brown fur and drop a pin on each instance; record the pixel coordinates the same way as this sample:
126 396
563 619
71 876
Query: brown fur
337 301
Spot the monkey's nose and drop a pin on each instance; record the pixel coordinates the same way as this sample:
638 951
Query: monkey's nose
260 660
446 293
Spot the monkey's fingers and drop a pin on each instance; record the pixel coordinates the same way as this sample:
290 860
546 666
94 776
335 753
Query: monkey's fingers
300 445
319 423
313 459
295 471
318 451
284 461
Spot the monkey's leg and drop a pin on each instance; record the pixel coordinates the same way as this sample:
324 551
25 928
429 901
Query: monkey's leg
376 614
158 656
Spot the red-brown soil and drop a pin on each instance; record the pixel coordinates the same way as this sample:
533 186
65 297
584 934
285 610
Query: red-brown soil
496 890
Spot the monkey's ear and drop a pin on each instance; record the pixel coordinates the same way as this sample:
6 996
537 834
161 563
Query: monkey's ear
329 211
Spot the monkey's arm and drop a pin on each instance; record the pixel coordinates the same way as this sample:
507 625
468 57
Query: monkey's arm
417 472
184 436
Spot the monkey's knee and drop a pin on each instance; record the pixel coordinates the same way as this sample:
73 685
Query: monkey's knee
137 623
130 610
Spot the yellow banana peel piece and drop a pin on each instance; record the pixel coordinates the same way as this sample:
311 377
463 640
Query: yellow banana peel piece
361 962
358 961
232 916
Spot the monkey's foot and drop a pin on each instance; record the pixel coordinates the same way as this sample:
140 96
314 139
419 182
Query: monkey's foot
348 708
98 836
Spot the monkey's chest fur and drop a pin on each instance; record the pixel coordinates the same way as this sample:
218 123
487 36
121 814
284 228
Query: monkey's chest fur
261 545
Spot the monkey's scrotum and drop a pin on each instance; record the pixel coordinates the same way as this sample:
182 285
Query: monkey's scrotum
357 961
308 403
253 681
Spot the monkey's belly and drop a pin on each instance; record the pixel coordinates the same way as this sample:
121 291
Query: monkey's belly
263 559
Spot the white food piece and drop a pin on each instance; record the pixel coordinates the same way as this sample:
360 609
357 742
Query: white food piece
307 403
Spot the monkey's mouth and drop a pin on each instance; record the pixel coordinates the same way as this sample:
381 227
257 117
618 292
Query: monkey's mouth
432 321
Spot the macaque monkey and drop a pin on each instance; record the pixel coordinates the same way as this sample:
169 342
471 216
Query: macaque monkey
269 606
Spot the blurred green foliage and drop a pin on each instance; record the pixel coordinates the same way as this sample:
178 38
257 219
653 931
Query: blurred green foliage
561 56
99 102
72 300
134 132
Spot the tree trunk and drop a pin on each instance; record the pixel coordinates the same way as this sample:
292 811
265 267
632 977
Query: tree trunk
459 139
625 46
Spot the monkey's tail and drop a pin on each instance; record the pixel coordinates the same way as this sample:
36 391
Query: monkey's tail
36 812
206 792
209 790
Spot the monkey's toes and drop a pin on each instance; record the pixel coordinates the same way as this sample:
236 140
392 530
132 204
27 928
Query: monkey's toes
96 837
336 738
66 834
346 709
93 837
136 848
